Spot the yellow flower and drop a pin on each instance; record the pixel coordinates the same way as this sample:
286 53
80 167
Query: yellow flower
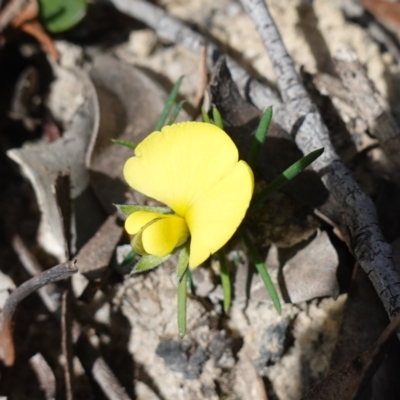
194 169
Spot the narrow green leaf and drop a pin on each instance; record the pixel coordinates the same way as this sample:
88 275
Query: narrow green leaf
129 258
129 209
149 262
61 15
183 260
286 176
182 272
206 118
260 136
176 112
169 104
124 143
225 279
259 263
217 118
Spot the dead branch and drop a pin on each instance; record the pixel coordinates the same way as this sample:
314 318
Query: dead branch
49 293
353 10
52 275
369 103
174 31
99 368
305 123
66 342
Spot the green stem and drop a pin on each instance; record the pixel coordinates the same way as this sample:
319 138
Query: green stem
259 263
225 279
182 272
182 300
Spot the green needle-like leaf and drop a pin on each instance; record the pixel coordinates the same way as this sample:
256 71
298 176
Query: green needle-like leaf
129 258
259 263
286 176
260 136
124 143
182 272
217 118
176 112
206 118
225 279
190 282
129 209
149 262
168 106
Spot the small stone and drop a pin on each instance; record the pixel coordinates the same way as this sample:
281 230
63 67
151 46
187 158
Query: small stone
174 354
196 361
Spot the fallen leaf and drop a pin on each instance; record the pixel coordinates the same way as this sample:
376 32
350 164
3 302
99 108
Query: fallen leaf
41 163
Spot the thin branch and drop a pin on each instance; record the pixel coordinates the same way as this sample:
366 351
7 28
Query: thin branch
96 366
66 342
370 104
55 274
49 294
172 30
306 125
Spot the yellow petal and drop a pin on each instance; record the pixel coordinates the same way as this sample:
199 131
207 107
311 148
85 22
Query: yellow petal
179 164
214 218
137 220
161 237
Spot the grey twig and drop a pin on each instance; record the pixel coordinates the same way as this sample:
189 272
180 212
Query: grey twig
370 105
57 273
174 31
305 123
49 294
95 364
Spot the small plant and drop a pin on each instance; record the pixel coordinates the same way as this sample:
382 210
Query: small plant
194 169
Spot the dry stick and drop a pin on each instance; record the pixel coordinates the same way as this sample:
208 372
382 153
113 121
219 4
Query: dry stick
44 375
101 372
49 293
66 341
310 133
54 274
172 30
370 105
